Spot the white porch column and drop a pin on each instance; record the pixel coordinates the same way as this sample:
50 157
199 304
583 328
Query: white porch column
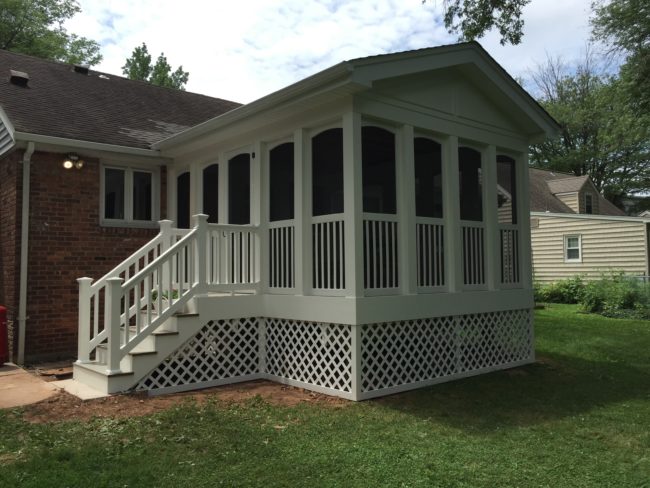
171 193
451 215
302 211
256 203
405 170
523 221
223 189
262 215
196 189
492 242
353 204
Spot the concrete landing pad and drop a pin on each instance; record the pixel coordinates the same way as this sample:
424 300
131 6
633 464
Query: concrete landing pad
18 387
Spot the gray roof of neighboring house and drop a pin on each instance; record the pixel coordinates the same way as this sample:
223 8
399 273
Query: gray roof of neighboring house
544 185
97 107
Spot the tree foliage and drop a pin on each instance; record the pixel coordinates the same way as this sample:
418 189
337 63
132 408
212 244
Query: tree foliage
35 27
473 18
139 67
625 26
602 135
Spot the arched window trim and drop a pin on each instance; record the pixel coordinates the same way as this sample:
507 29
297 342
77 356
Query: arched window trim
278 142
323 128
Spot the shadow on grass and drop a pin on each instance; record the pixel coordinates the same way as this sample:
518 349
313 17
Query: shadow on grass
554 387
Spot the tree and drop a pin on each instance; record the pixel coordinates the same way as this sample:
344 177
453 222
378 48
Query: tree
601 136
35 27
625 24
473 18
138 67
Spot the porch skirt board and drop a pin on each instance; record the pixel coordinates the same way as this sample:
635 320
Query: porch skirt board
350 361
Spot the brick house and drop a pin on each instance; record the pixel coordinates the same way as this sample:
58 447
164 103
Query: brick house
48 111
358 233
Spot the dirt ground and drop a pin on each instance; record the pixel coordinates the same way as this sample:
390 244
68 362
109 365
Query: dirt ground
64 406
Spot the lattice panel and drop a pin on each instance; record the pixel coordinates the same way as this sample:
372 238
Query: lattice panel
314 353
397 353
494 339
221 349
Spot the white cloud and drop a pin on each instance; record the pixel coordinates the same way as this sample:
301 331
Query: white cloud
244 50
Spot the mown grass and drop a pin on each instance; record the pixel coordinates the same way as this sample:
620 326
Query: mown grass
580 417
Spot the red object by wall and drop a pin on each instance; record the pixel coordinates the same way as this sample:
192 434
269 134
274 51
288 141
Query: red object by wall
4 339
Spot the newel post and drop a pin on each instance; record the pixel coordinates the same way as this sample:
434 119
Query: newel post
201 263
83 339
165 233
112 322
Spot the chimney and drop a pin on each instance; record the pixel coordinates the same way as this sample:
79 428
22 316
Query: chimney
18 78
81 68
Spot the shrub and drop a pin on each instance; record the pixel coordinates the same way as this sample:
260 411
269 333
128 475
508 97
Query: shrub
617 295
563 291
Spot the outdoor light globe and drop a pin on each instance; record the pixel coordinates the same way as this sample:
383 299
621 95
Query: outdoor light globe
67 164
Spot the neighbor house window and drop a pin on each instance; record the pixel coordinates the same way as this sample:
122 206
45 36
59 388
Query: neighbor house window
589 203
573 248
129 196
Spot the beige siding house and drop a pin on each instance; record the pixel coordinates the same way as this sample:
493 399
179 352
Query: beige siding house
575 231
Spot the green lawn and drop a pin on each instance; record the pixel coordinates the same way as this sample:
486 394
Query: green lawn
580 417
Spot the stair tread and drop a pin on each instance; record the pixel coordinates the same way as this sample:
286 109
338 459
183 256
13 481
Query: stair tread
101 368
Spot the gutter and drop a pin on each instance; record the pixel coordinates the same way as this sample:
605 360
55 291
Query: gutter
24 248
79 144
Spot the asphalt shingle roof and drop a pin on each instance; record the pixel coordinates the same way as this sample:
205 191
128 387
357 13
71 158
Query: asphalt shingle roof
545 184
98 107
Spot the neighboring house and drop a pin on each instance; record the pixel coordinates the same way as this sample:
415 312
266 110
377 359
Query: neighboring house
360 232
575 231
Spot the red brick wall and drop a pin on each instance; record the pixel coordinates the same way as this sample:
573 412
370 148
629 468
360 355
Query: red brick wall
66 242
10 202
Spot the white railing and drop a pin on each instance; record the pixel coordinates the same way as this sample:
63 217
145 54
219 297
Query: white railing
473 241
233 257
122 308
380 252
282 254
430 252
509 238
328 252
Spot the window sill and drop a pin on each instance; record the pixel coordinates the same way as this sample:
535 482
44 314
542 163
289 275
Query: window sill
129 224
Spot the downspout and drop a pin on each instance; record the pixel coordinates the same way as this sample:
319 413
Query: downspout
24 241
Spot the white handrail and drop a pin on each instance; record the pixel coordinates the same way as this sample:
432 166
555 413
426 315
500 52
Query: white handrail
178 271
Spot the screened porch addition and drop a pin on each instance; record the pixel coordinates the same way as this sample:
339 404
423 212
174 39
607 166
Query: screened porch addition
430 215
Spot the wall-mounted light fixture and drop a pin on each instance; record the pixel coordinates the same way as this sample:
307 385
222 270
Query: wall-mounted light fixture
73 161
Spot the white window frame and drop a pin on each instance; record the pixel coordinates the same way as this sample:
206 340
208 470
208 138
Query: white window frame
566 248
128 220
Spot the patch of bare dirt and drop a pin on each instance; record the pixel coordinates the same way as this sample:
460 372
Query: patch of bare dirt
64 406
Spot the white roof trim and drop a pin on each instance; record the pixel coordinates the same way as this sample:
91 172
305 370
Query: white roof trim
639 220
360 72
76 143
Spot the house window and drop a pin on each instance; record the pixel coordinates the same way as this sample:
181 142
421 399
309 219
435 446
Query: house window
281 191
211 193
378 170
183 200
130 196
470 181
573 248
327 172
589 203
239 189
428 177
506 190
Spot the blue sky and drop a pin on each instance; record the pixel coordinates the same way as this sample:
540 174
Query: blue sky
244 50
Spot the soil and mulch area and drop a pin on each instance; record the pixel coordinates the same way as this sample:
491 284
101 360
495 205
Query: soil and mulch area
64 406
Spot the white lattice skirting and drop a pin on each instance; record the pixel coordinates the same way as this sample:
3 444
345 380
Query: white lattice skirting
392 357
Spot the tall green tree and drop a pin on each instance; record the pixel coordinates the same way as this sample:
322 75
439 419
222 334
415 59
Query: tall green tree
602 135
139 67
35 27
625 26
473 18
